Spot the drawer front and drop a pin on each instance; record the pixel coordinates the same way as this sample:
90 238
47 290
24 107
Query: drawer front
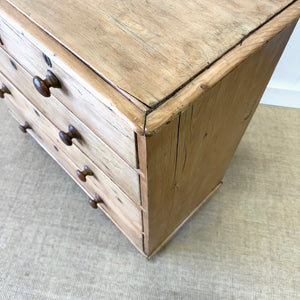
124 212
106 159
90 110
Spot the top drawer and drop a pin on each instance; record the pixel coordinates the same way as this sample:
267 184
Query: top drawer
90 110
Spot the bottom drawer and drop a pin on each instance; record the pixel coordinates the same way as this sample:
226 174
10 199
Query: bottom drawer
123 212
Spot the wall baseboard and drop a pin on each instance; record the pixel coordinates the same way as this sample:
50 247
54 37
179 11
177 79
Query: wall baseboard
281 97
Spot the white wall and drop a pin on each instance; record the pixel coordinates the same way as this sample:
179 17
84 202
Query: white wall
284 87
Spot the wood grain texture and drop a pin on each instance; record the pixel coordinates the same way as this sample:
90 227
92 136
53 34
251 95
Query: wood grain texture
187 159
206 80
105 92
83 92
200 69
149 48
117 205
106 159
184 221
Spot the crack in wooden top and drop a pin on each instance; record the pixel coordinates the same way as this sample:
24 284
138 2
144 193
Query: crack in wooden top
149 49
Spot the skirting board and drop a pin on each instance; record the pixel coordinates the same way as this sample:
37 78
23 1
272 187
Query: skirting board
281 97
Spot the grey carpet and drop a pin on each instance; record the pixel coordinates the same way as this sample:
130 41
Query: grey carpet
244 243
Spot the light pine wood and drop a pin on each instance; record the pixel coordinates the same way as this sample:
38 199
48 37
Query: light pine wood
206 80
89 109
95 85
187 159
184 221
178 102
149 48
116 204
169 86
106 159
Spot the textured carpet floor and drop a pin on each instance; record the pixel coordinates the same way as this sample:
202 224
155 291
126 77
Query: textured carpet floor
244 243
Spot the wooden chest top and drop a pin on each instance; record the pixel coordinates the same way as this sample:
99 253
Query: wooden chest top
150 49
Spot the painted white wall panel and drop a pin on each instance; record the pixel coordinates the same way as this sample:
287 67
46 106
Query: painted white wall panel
284 87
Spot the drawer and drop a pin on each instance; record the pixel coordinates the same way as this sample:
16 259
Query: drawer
124 212
89 109
106 159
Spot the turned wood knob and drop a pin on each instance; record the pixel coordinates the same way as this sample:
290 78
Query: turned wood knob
82 174
4 90
93 202
24 127
67 137
43 86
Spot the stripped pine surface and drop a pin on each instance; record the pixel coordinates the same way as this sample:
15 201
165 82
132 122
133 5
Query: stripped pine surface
185 97
106 159
187 159
124 212
98 117
170 86
149 48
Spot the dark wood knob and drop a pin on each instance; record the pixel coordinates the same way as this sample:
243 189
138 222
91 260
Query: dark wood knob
67 137
93 202
24 127
43 86
86 172
4 90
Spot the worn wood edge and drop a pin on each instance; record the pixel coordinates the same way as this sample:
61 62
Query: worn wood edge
127 29
142 159
166 112
31 133
184 221
127 108
135 100
142 156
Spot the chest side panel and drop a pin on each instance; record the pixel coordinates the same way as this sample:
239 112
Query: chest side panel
187 159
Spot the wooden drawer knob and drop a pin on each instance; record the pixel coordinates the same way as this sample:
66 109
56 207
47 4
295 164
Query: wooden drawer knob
24 127
43 86
82 174
93 202
4 90
67 137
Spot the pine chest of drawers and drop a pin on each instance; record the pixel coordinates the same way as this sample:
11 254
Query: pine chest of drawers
143 103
